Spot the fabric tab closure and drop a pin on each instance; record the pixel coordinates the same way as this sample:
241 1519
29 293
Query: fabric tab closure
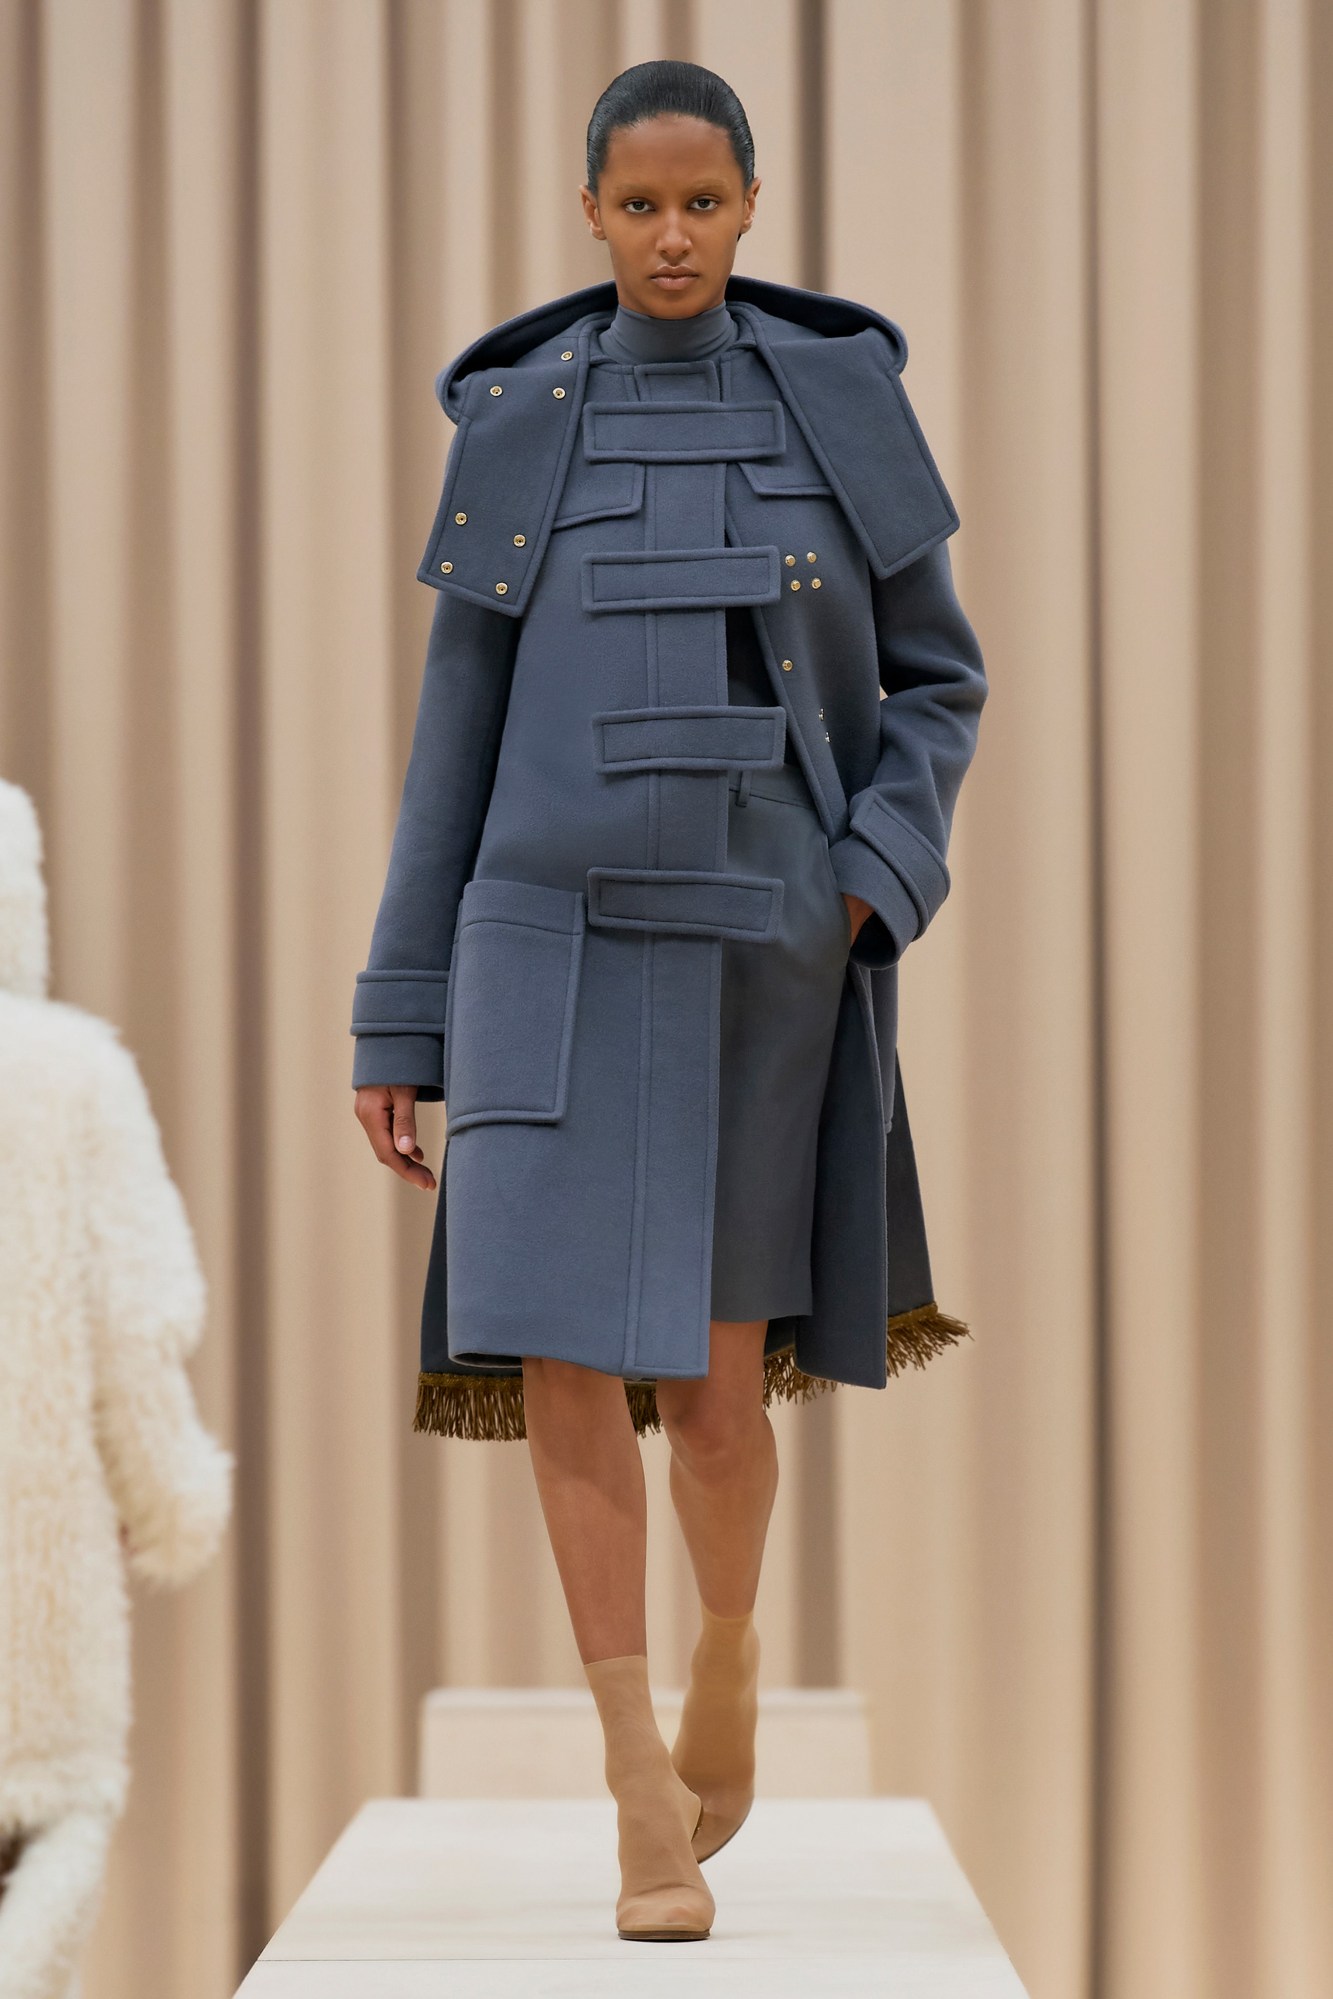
683 432
679 579
699 738
686 902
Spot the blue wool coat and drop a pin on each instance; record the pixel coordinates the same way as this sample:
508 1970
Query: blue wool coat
547 952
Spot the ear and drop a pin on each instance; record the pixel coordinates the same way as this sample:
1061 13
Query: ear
592 214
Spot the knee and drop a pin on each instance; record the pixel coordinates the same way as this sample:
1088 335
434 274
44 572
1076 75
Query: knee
714 1438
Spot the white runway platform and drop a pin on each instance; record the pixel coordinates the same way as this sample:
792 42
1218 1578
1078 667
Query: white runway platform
426 1898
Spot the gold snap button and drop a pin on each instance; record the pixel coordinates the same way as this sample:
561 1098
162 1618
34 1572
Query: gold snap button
810 557
500 589
796 583
789 559
826 735
557 393
821 714
496 390
520 541
816 582
786 666
568 354
460 518
446 567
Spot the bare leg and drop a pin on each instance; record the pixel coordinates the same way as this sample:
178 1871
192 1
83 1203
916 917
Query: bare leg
724 1474
724 1464
589 1472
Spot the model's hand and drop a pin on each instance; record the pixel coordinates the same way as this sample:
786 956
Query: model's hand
858 909
388 1113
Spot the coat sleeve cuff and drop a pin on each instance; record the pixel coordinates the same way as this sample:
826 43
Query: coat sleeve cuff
398 1020
390 1060
859 870
396 1002
883 859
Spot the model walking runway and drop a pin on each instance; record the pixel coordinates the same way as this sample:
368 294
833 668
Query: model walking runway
697 703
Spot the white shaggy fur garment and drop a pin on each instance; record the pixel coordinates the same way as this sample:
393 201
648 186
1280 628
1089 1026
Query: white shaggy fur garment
101 1302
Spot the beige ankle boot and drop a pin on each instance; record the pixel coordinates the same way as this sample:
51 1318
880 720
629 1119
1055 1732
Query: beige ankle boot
714 1749
663 1896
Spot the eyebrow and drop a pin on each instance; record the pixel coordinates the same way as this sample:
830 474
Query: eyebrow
627 189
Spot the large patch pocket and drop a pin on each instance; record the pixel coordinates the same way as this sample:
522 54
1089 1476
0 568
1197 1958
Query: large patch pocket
513 993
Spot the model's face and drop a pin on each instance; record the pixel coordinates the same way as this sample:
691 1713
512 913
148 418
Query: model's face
670 208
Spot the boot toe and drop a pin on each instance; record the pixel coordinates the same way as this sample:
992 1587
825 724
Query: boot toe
666 1915
715 1828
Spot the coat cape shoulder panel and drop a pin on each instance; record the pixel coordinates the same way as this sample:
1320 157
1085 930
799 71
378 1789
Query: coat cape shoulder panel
517 398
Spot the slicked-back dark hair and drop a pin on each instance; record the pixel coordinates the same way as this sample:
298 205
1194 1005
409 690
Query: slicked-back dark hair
647 89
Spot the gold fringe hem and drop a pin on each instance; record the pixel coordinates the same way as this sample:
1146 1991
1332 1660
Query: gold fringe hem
489 1407
915 1337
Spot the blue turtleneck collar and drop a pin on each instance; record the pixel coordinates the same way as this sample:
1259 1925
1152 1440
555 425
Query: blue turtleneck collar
643 336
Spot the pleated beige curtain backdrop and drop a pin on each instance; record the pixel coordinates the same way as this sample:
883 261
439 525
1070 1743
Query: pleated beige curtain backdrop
1081 1566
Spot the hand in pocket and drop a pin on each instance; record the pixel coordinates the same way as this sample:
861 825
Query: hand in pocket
858 909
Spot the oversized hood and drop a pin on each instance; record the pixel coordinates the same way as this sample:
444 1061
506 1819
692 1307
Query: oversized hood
24 942
502 345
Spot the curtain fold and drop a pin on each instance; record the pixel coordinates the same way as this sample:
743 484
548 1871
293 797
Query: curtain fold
1081 1565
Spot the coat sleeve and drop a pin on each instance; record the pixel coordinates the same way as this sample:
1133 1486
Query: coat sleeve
398 1012
170 1480
934 682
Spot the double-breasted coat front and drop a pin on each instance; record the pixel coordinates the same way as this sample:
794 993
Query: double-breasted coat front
547 953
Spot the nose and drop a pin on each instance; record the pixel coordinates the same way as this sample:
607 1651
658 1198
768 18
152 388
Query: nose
673 241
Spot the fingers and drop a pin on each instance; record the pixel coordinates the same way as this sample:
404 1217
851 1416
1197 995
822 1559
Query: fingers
405 1136
405 1121
387 1115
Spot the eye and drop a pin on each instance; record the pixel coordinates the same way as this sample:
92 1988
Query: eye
708 197
633 198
